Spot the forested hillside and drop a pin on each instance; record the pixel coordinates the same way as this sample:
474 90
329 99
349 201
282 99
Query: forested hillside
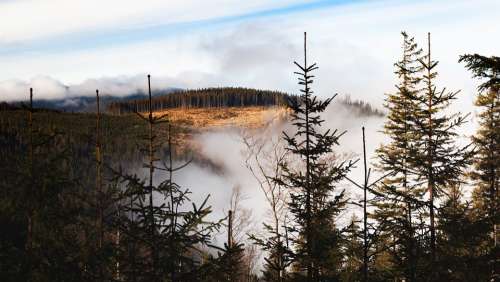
94 196
205 98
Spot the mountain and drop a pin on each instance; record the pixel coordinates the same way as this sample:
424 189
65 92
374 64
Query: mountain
82 104
176 98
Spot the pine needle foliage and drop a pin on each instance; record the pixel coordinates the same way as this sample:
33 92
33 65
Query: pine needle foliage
486 173
161 233
400 202
315 200
437 159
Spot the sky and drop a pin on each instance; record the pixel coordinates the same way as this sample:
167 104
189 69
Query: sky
67 48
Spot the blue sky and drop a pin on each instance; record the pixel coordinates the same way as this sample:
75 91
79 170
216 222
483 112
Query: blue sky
84 39
112 44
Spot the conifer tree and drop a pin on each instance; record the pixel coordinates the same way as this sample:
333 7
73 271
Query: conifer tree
161 238
102 263
353 252
461 240
395 211
486 173
436 158
231 260
38 204
315 201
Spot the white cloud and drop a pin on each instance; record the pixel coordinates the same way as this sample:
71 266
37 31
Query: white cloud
355 46
36 19
43 86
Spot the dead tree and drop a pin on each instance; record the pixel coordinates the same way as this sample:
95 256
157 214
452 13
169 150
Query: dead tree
31 223
98 157
366 187
264 158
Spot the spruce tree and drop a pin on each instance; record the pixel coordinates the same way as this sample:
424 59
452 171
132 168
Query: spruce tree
436 158
353 252
315 200
395 211
41 231
161 238
461 241
486 173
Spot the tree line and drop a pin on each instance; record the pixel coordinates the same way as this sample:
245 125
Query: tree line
204 98
138 224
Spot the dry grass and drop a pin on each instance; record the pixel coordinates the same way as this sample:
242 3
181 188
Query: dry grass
212 118
190 122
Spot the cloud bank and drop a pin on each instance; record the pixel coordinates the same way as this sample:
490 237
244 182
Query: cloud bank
354 44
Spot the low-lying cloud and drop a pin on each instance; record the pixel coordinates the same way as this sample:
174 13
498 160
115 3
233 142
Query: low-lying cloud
225 147
48 88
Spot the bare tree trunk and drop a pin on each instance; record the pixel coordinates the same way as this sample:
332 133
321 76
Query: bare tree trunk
151 171
430 183
365 215
29 238
173 218
266 166
309 239
98 157
230 229
494 185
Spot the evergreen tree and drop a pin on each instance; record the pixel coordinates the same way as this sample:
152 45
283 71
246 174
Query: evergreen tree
353 252
161 238
486 173
436 158
396 210
460 241
228 265
315 201
225 266
277 258
41 234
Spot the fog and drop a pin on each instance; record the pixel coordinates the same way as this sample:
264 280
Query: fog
225 148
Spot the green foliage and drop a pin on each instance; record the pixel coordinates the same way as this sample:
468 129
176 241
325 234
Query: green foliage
399 205
425 228
162 236
40 213
352 249
486 174
315 199
225 266
460 245
278 254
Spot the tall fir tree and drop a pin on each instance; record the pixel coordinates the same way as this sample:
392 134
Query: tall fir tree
486 173
399 205
436 158
315 200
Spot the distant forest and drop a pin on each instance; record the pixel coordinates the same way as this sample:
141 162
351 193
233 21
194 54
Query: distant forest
204 98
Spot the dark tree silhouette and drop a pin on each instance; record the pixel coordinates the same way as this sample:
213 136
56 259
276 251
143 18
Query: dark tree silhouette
315 199
165 235
436 158
400 205
486 172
